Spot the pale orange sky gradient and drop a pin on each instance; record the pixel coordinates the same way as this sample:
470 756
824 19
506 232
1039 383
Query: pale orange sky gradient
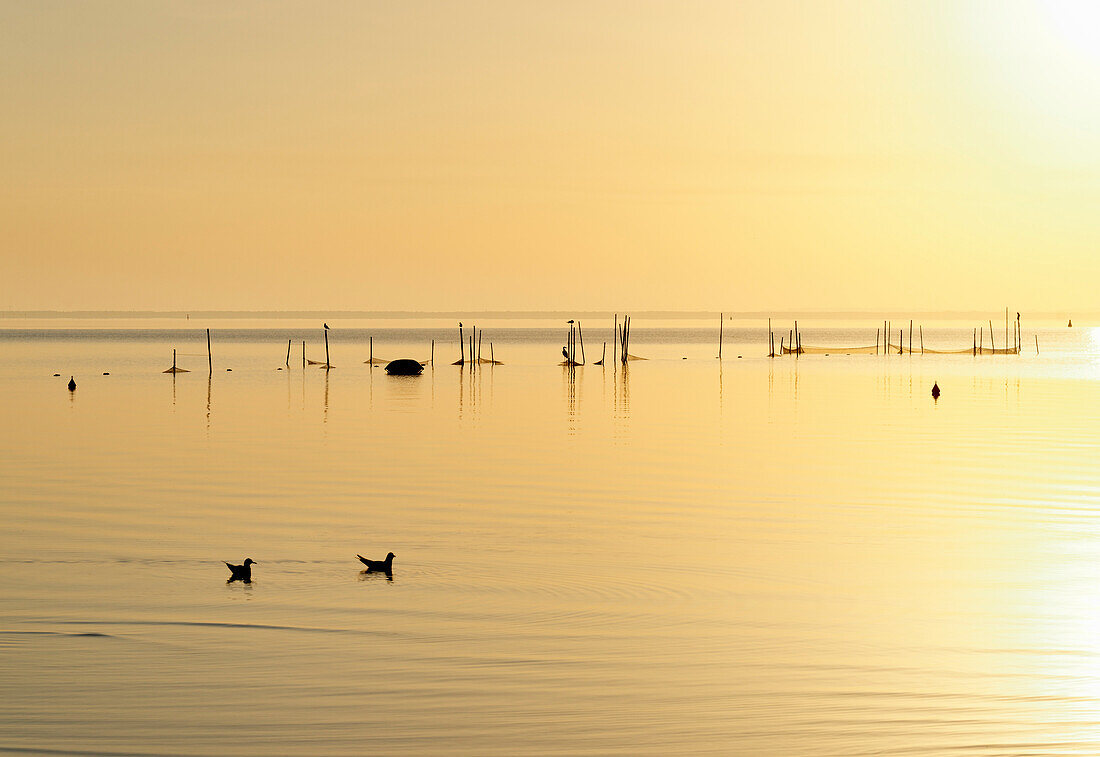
530 155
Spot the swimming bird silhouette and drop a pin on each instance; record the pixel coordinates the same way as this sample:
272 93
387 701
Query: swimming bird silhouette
383 565
935 390
72 384
241 572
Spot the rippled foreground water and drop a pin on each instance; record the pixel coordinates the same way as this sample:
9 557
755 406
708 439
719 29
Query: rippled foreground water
752 556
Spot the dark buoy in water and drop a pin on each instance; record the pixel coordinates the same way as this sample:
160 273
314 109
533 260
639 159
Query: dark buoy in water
404 367
935 391
57 374
72 384
106 374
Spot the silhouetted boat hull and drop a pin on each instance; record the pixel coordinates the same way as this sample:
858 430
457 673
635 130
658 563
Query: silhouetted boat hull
404 367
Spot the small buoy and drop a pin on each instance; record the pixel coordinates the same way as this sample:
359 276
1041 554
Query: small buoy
278 369
57 374
935 390
72 384
106 374
738 357
228 369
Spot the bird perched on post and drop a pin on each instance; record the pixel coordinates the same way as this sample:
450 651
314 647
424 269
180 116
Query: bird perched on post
326 327
565 353
241 572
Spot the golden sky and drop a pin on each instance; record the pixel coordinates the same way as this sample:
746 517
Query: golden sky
526 155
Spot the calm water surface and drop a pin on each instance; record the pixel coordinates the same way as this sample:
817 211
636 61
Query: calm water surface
752 556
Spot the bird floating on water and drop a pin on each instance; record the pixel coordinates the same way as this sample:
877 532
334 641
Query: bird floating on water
935 390
386 566
241 572
72 384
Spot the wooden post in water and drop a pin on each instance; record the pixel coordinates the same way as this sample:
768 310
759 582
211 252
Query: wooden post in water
371 353
922 339
992 343
492 355
876 341
580 335
1006 328
461 345
433 353
981 342
479 335
287 353
603 355
910 336
209 352
303 353
790 339
173 361
901 341
328 363
1036 344
721 323
615 340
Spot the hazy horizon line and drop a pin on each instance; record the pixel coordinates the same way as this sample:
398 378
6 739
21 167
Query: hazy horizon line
12 314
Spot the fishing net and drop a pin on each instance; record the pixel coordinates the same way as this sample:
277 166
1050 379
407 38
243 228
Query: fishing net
897 350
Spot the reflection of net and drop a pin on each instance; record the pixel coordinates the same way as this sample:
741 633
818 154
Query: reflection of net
897 350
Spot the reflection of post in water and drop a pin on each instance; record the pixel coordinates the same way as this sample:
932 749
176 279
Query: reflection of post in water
326 396
569 382
173 385
721 388
209 386
461 389
622 389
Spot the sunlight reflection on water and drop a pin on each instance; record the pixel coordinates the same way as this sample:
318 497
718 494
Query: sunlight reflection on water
754 556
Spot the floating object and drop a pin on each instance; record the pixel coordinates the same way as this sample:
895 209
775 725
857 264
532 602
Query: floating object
57 374
935 390
404 367
72 384
1070 324
228 370
278 369
106 374
386 566
241 572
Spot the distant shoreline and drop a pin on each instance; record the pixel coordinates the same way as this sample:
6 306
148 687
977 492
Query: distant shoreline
696 315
